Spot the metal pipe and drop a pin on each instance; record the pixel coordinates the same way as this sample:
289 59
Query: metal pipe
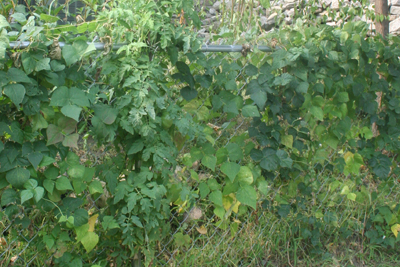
204 48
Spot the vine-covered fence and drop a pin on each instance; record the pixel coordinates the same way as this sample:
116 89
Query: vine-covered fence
316 203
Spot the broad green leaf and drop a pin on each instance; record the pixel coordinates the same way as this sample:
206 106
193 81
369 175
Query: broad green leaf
76 171
302 87
71 140
49 185
231 169
284 160
209 162
48 18
136 147
287 140
250 111
70 54
105 113
317 112
72 111
234 151
109 223
222 155
90 241
28 62
353 163
188 93
136 221
204 190
247 195
78 97
43 64
256 93
26 195
67 125
54 134
284 210
56 65
63 183
38 122
366 132
251 70
245 175
81 217
30 184
332 141
343 97
181 239
3 22
95 187
46 161
18 76
386 213
256 155
35 158
49 241
333 55
263 187
15 92
38 193
17 177
330 217
216 198
8 196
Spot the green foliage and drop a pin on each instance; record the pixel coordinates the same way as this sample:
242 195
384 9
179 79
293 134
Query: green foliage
308 107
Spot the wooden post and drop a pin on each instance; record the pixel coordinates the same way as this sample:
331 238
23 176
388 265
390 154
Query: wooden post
382 28
382 8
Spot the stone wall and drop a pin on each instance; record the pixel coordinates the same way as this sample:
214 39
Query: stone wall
285 9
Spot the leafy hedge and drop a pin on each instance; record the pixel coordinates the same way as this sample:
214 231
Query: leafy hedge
315 95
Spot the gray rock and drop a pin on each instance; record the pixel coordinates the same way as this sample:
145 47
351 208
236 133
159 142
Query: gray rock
212 11
335 4
287 6
267 23
272 16
394 3
394 25
217 5
395 10
289 13
328 2
288 20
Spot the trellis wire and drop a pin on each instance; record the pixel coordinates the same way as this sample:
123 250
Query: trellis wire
204 48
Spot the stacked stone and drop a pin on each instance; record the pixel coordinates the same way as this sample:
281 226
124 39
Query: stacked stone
285 9
394 10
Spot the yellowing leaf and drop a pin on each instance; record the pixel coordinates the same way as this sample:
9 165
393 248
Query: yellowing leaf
348 156
395 229
351 196
345 190
287 140
92 222
227 201
230 203
202 230
235 207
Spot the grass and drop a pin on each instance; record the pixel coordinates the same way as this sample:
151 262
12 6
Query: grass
264 238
